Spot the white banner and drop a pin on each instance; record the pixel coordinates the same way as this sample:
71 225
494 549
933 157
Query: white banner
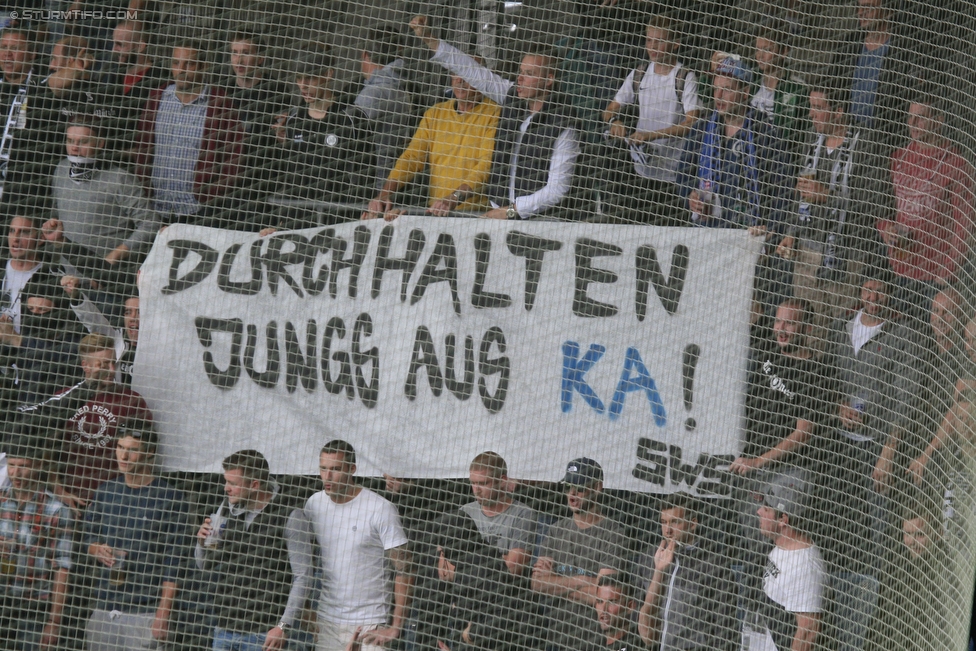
426 341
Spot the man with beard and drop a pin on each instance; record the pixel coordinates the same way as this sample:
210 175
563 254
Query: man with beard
579 550
45 351
96 405
189 139
788 395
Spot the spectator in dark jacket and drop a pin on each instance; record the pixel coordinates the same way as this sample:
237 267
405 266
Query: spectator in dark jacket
323 152
689 602
489 607
733 172
127 84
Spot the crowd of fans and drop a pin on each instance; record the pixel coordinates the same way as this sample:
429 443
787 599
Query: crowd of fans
854 485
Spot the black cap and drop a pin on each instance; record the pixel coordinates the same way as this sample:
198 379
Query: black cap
582 471
139 428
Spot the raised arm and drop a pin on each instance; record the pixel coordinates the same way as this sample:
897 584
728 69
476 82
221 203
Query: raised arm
460 64
649 619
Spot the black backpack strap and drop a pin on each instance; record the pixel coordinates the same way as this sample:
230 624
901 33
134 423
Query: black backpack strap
639 73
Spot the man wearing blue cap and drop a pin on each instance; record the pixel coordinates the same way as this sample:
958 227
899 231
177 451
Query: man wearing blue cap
733 172
579 550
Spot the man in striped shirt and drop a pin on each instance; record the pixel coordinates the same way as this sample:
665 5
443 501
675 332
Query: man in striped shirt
35 552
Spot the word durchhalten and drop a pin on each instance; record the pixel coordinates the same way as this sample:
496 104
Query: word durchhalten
74 14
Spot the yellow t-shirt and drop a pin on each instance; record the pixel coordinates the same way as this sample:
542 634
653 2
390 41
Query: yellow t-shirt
457 147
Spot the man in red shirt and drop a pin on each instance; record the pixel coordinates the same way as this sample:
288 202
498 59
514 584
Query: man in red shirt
933 186
96 405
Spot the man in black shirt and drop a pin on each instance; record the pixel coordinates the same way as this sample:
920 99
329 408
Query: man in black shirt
788 395
127 83
323 152
258 97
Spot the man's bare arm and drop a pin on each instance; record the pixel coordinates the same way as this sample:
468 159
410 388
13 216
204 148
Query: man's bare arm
402 561
807 629
517 560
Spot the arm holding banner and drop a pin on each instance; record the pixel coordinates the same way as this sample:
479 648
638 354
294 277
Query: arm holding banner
795 442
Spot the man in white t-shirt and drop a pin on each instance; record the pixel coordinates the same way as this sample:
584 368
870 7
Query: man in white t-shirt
793 581
23 242
502 520
666 94
358 533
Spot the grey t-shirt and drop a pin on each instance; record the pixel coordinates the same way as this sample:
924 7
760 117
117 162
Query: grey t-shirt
514 528
576 552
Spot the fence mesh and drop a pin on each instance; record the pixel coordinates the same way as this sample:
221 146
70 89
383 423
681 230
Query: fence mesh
505 325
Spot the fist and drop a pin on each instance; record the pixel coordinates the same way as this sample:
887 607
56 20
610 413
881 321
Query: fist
53 231
419 26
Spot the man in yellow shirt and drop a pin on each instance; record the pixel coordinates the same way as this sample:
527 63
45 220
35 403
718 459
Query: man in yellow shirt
456 138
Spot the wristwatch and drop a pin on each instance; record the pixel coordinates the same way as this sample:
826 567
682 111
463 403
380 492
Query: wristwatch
283 626
456 196
511 213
